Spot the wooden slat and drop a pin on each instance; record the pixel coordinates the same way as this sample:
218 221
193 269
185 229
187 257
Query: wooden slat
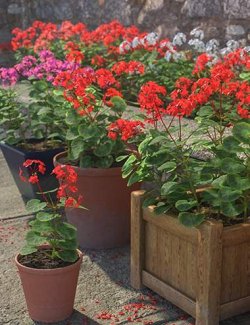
169 293
235 235
235 279
137 240
209 264
171 224
236 307
151 249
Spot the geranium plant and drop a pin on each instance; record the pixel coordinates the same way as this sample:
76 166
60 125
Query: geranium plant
43 119
167 156
48 227
96 102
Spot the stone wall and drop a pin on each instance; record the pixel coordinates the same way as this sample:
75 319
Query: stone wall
222 19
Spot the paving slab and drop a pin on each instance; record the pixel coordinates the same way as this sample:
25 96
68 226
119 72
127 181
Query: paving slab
11 203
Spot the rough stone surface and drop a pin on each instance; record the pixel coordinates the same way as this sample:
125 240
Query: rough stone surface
164 16
234 30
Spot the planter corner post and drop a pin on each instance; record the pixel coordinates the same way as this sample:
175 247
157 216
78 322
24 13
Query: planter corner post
137 240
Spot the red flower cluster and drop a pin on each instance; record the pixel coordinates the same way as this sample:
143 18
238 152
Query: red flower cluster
201 62
131 67
125 129
105 78
75 56
40 35
98 60
65 174
111 92
68 179
221 84
150 100
34 167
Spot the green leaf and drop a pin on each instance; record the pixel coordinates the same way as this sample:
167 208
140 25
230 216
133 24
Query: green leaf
72 134
148 201
241 131
119 104
105 162
104 149
134 178
35 205
45 217
71 118
34 239
66 230
68 255
91 131
230 194
68 244
236 181
189 219
76 148
86 161
168 166
231 144
44 110
158 139
231 166
121 158
40 85
231 209
41 227
184 205
27 249
143 145
161 207
168 187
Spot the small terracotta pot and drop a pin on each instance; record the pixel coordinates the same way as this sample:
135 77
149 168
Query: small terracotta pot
106 223
49 293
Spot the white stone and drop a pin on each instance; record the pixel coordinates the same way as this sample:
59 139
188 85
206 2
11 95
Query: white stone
235 30
14 9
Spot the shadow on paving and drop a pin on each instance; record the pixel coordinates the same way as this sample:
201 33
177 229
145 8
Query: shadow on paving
77 318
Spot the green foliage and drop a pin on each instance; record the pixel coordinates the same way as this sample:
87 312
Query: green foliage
12 118
48 228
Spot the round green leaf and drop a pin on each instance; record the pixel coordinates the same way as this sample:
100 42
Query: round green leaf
241 131
184 205
35 205
45 217
189 219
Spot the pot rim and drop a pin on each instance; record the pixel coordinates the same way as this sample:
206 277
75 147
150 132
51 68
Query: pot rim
24 151
98 172
49 271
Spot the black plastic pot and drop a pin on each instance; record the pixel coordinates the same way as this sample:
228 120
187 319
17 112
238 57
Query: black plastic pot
15 158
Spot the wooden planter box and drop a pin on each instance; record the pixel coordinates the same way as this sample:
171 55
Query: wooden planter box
204 271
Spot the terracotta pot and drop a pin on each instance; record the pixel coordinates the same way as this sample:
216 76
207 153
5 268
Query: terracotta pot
106 223
49 293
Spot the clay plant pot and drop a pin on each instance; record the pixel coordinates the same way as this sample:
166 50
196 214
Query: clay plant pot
15 157
106 223
49 293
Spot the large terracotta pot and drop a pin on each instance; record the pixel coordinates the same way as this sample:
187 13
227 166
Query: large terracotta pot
49 293
106 223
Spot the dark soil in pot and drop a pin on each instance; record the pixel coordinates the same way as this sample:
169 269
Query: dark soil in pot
42 260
